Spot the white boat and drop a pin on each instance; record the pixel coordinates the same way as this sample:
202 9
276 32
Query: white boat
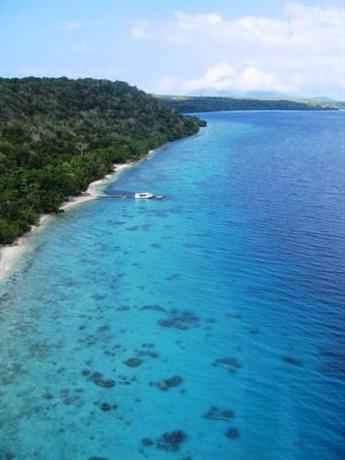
143 195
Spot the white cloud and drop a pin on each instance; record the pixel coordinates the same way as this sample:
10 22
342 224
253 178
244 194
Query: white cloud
196 22
302 51
141 30
73 25
252 78
83 47
224 77
219 77
304 28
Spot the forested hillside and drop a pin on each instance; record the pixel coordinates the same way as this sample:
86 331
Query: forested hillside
186 104
57 135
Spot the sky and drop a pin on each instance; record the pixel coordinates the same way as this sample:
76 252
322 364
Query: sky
198 47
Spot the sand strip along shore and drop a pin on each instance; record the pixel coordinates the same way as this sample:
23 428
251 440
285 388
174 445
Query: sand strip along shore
10 254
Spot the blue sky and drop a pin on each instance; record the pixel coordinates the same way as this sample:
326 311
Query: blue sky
181 47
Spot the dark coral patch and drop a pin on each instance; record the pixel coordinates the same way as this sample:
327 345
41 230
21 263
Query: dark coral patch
147 442
106 407
172 277
6 455
166 322
170 442
98 458
228 361
232 433
291 360
153 308
166 384
132 229
98 379
123 308
149 353
180 319
214 413
133 362
148 345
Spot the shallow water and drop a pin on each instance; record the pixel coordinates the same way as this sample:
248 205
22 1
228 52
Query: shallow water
243 260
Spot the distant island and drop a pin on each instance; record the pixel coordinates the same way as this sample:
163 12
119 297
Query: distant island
57 135
189 104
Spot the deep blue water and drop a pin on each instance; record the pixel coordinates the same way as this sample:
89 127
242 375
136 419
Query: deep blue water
243 260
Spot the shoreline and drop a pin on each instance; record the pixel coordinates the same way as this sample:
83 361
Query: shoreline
9 254
92 192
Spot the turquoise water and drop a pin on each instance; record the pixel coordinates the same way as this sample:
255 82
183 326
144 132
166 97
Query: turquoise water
234 285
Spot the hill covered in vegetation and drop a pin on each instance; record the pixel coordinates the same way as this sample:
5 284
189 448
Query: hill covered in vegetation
186 104
57 135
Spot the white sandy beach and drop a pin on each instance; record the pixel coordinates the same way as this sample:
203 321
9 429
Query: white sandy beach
10 254
94 189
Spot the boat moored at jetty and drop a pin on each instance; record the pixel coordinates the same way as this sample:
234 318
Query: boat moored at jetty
143 195
125 195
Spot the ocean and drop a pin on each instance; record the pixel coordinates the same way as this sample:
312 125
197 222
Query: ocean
206 326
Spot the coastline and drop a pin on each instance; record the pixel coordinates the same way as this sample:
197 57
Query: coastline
9 254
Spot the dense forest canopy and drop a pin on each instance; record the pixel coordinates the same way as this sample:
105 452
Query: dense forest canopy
186 104
57 135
